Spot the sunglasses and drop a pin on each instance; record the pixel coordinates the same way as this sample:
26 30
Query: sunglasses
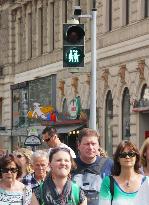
19 156
6 170
47 140
125 154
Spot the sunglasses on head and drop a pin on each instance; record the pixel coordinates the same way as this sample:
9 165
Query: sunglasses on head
125 154
6 170
57 149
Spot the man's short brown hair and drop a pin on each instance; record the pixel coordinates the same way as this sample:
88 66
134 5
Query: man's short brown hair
50 130
87 132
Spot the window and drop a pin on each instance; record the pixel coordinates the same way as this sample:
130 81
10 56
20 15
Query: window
144 100
29 36
50 26
25 98
19 39
146 8
108 124
126 115
40 31
19 104
110 15
127 12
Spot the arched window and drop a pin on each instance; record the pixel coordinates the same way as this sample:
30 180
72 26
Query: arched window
126 115
65 106
108 124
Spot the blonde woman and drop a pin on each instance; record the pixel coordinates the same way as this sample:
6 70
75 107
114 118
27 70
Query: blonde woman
144 152
24 156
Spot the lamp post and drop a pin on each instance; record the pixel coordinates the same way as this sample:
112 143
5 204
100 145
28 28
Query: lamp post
92 122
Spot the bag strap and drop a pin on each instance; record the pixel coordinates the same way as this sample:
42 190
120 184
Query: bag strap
111 187
75 193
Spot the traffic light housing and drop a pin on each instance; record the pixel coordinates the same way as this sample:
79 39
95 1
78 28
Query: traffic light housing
73 45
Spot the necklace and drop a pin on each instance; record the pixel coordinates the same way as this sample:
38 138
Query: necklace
128 183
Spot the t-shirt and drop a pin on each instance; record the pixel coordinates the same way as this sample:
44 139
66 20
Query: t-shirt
65 146
15 198
120 197
142 196
89 176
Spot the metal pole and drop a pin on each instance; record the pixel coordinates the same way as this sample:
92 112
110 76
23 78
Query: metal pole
92 123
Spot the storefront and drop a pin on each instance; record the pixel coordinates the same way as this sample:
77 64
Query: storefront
141 107
34 107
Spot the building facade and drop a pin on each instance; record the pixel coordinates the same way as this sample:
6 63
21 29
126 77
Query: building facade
33 77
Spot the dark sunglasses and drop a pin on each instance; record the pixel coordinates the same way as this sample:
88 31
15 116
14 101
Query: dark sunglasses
125 154
19 156
6 170
47 140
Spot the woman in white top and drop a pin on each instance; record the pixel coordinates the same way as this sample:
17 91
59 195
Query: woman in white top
11 190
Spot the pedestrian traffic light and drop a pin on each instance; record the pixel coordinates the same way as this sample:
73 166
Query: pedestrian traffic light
73 45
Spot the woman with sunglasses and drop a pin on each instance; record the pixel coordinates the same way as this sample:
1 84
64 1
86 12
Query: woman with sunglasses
24 156
126 177
11 190
58 189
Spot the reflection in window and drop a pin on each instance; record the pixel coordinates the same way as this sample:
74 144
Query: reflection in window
20 107
126 114
41 92
108 124
144 101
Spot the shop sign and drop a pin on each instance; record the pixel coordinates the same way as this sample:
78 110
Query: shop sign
74 108
32 141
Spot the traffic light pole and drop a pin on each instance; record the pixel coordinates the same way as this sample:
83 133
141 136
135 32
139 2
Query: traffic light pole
92 122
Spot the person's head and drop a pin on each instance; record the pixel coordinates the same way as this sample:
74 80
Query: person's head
60 162
88 144
10 168
50 136
40 162
24 155
144 152
126 156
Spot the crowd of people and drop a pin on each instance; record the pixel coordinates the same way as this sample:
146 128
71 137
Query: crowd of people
61 177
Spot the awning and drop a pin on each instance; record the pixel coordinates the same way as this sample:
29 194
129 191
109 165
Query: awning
67 129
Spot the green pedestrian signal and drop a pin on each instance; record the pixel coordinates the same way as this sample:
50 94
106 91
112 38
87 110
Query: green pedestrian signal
73 45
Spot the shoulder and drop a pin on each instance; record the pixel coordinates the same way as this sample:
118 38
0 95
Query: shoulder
106 180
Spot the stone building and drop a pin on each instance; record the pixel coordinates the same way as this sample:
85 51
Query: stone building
32 73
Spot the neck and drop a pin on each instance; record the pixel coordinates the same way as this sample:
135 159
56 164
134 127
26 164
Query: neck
127 174
88 160
7 185
59 183
40 177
